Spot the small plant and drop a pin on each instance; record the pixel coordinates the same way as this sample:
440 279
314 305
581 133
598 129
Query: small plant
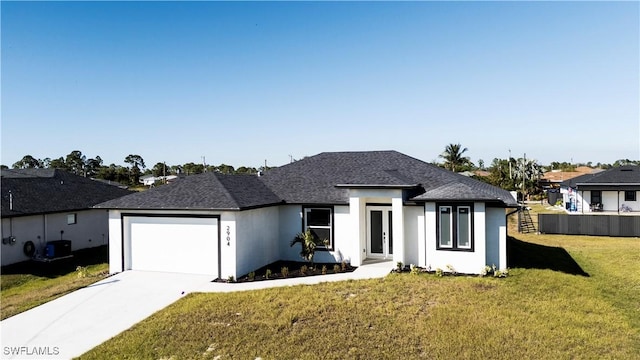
231 279
324 269
267 274
251 276
82 272
439 272
336 268
485 271
343 266
303 270
451 269
284 271
399 265
415 270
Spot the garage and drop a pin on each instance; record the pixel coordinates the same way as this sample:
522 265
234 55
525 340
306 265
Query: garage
171 244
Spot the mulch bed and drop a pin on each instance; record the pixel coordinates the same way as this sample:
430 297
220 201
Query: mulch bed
293 270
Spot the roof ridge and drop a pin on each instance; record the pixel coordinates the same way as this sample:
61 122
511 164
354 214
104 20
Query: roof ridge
217 175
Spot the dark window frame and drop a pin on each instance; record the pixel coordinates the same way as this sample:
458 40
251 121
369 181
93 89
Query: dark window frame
305 209
630 195
599 192
455 246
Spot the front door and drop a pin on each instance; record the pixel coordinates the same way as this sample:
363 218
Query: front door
379 232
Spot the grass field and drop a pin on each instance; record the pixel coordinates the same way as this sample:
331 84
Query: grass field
27 285
567 297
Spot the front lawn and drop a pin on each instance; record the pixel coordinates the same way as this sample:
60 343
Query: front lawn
26 285
584 302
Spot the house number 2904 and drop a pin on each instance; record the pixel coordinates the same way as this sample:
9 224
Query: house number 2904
228 235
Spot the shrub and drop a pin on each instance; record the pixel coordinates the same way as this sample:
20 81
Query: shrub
399 265
451 269
231 279
414 269
303 270
267 274
336 268
82 272
284 271
439 272
324 269
251 276
343 266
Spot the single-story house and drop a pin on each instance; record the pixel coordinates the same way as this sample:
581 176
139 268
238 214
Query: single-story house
42 205
613 190
150 180
367 205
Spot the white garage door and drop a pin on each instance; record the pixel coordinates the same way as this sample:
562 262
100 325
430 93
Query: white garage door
173 244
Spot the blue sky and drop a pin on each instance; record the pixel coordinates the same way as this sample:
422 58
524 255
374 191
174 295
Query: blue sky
241 83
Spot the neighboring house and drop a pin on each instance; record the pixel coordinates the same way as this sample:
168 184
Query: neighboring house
368 205
150 180
554 178
42 205
613 190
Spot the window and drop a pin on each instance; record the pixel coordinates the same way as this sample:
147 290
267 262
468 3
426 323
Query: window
455 227
320 222
71 219
596 197
629 195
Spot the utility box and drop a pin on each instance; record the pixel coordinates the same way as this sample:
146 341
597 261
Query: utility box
58 248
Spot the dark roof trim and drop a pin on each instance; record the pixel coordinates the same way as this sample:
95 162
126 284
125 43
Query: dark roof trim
191 208
606 184
376 186
15 215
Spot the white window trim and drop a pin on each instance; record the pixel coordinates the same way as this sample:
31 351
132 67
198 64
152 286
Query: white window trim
329 227
72 219
469 229
450 245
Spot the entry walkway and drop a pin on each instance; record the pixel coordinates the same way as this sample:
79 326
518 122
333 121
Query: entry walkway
76 323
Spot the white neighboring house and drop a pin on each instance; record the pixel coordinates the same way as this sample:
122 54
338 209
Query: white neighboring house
42 205
150 180
380 205
616 190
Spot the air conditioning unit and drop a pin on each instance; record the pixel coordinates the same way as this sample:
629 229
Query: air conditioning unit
57 248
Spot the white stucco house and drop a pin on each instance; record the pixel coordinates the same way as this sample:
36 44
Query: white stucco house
368 205
43 205
616 190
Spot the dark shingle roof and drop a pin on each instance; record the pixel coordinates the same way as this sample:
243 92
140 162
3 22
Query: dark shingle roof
314 179
206 191
321 179
42 191
623 175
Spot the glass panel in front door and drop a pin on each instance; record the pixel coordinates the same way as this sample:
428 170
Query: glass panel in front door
390 232
376 232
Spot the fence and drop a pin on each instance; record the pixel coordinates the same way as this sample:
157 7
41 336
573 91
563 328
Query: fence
602 225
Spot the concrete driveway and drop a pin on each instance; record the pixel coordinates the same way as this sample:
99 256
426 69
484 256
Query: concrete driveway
75 323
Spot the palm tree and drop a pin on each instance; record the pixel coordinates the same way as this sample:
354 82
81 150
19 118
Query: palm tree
308 244
453 159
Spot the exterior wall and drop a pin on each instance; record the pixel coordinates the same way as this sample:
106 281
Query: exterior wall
257 239
496 230
290 221
90 230
610 200
469 262
414 234
291 224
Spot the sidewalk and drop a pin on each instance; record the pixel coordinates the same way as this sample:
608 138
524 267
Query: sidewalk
367 271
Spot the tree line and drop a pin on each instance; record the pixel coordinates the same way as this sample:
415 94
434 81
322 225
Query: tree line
79 164
521 174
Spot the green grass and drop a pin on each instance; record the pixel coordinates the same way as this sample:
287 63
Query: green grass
581 303
26 285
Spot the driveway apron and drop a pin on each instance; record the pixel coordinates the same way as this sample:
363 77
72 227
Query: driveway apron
75 323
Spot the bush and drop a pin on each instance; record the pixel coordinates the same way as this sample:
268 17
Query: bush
267 274
284 271
336 268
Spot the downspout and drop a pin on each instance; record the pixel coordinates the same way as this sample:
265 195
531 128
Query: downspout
582 201
507 219
618 202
